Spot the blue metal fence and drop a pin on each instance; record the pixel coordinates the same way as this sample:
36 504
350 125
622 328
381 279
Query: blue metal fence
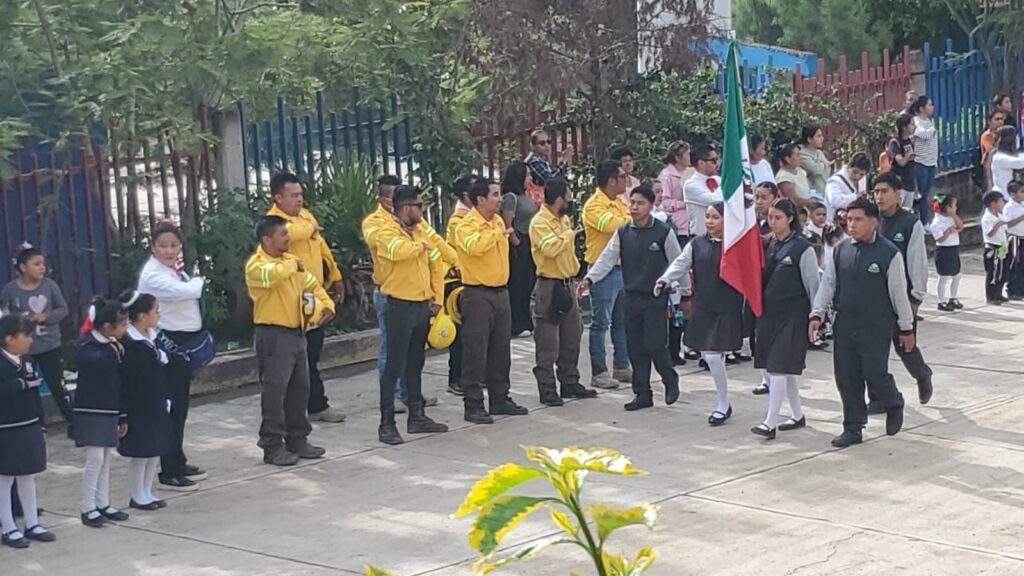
959 84
378 132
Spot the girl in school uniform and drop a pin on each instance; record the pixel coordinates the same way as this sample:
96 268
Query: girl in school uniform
99 422
22 446
945 228
716 325
790 282
144 399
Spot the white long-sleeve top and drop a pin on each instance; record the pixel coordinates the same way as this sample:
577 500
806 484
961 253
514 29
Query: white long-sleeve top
698 197
926 142
840 190
177 294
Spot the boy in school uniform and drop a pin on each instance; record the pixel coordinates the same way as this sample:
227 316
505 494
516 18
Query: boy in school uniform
1013 213
993 233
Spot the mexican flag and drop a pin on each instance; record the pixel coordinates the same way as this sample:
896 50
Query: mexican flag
742 253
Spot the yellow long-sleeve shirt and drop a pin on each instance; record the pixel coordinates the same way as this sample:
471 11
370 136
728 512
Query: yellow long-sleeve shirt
553 246
309 245
278 288
602 216
482 247
453 222
379 218
410 267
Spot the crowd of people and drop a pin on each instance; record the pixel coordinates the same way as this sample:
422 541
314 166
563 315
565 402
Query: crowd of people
842 262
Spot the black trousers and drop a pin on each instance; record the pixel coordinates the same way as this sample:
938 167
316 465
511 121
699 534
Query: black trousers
647 341
407 325
522 276
486 345
284 387
455 350
995 273
179 388
861 360
51 366
317 394
913 360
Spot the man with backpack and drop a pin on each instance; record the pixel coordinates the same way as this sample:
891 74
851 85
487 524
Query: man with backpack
847 185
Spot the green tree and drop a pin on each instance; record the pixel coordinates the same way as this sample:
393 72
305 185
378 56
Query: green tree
997 28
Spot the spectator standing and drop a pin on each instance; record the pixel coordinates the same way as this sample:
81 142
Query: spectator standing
813 160
673 176
1004 104
703 188
760 167
517 209
541 168
1005 160
926 160
900 152
791 177
996 120
308 245
846 185
625 157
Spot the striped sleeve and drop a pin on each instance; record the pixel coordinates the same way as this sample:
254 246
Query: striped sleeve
261 273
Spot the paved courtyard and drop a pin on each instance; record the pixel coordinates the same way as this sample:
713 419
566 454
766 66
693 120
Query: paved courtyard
944 497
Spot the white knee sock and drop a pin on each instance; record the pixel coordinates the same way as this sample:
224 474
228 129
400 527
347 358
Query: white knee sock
29 504
6 506
943 288
96 479
764 378
716 364
954 287
137 475
796 407
152 467
776 392
103 482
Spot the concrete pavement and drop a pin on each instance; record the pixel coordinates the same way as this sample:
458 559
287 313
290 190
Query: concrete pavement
944 497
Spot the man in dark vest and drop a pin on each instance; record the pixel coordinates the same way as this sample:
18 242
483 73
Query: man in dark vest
866 284
645 246
903 229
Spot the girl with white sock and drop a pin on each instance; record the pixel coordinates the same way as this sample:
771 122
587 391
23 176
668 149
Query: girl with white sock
22 446
145 400
946 227
716 323
790 283
99 422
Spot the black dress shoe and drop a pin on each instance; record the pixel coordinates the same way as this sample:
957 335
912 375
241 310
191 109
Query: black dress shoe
194 473
455 388
703 364
116 515
717 418
679 361
894 420
307 451
17 543
692 355
793 424
925 389
551 399
671 392
148 507
762 430
91 521
40 534
179 483
731 358
760 390
160 503
847 438
477 415
506 407
957 304
742 357
578 391
388 434
875 408
639 403
420 423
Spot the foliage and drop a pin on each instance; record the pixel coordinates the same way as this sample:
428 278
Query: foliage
341 196
588 527
997 29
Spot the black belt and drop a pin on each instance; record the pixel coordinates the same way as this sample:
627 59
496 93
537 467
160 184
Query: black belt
488 288
408 301
280 328
562 280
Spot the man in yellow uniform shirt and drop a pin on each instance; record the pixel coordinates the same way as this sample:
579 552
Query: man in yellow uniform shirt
372 225
288 301
603 214
460 189
481 241
309 246
412 280
556 311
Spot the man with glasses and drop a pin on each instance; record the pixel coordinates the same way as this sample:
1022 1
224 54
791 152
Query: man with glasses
605 212
703 188
539 163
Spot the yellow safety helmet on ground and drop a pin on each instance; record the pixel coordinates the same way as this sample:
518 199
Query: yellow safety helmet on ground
442 331
451 305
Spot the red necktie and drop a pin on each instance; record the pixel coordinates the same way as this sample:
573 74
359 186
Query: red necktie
712 184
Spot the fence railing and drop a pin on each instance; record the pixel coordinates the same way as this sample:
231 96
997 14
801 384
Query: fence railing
297 143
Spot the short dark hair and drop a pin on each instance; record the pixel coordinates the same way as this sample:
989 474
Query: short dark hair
1014 186
889 179
554 189
815 206
462 184
619 153
870 208
403 195
919 104
607 170
268 225
785 151
753 141
165 227
13 325
480 189
388 180
107 311
700 152
645 190
675 150
902 121
136 303
808 132
860 161
280 180
768 185
991 198
24 253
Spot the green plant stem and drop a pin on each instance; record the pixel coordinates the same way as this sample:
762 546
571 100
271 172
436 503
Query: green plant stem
593 548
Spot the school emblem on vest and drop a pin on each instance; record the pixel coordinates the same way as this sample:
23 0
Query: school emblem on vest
654 247
898 237
873 268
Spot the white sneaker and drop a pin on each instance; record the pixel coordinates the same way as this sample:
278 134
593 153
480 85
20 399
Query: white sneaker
604 380
624 375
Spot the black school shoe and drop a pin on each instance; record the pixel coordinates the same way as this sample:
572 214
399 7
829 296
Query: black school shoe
16 543
793 424
93 522
578 391
692 355
718 418
114 514
760 390
40 534
147 507
946 306
506 407
194 473
956 303
180 484
847 438
639 403
894 420
764 431
551 399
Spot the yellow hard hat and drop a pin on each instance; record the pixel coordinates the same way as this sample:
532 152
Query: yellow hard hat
442 331
451 305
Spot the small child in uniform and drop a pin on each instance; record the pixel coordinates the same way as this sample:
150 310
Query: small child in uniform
99 422
814 229
946 228
993 234
145 399
22 445
1012 213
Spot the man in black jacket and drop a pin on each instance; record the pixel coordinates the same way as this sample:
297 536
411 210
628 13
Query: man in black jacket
645 246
